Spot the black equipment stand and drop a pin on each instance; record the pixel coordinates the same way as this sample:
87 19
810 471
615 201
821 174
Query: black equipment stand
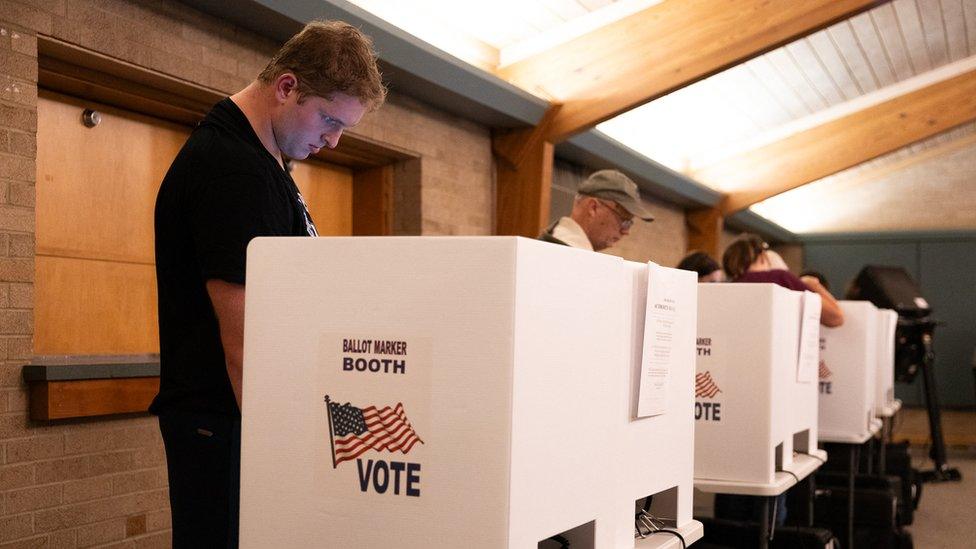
942 472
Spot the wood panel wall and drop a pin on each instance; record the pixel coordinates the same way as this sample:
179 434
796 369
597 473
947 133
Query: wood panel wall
95 287
328 191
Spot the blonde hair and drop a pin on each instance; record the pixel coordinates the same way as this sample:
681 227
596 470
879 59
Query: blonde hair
329 57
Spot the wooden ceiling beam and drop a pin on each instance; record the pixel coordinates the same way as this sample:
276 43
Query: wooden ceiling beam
844 142
661 49
523 182
523 178
901 164
705 230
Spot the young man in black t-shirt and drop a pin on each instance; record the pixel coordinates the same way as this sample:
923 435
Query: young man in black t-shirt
228 185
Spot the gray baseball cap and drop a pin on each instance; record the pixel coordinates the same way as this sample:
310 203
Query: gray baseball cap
613 185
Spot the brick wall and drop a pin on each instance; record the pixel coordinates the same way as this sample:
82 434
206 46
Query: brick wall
457 189
663 241
103 482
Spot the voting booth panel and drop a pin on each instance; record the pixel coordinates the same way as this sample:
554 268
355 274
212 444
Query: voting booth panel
804 404
656 448
849 361
442 392
749 404
886 403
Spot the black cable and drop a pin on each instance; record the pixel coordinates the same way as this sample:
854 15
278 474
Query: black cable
822 461
791 474
652 519
675 532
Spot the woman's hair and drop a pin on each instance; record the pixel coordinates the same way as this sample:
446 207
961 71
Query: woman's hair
329 57
699 262
741 254
819 276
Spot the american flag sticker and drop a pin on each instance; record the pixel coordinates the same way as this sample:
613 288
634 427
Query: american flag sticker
353 430
825 372
705 386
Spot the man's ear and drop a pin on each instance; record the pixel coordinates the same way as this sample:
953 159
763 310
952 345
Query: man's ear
284 85
590 205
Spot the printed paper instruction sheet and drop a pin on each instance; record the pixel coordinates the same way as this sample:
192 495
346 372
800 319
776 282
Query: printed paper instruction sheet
659 340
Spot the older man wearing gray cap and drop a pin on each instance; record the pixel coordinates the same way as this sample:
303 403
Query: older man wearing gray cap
603 212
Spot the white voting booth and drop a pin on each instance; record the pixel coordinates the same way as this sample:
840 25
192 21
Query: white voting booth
460 392
848 375
756 388
885 402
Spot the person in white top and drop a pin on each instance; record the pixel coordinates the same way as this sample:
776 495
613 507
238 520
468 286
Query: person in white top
603 212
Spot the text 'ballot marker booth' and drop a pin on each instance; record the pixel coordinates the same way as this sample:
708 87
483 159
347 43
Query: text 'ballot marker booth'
461 392
756 387
848 366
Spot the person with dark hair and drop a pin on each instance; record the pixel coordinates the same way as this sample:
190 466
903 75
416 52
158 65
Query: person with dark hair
228 185
749 259
818 275
707 268
603 212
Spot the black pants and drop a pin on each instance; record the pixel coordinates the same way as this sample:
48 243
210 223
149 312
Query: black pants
203 459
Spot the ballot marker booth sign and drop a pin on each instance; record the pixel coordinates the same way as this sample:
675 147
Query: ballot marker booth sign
848 375
750 406
477 392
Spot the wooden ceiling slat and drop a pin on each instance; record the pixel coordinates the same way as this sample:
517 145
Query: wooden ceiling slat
934 26
887 24
783 94
840 72
869 38
815 72
910 25
791 72
969 8
854 57
955 22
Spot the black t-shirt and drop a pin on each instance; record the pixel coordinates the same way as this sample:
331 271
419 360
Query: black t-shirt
223 189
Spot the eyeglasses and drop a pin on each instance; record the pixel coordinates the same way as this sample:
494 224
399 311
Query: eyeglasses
626 221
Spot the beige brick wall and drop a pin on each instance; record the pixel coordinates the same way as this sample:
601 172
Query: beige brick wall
663 241
457 189
103 482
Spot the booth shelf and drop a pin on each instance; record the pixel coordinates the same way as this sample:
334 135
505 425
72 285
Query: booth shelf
891 409
803 465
